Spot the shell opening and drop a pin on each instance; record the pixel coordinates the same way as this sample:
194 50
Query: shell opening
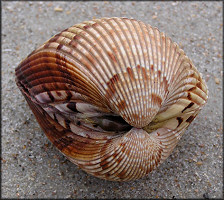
111 123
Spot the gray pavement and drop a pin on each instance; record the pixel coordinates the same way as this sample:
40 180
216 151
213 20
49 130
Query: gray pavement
33 168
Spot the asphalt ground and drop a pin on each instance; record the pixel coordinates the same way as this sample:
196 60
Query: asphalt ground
33 168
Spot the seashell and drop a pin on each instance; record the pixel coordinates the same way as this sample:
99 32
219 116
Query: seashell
114 95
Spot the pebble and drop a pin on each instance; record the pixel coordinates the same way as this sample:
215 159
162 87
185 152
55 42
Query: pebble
207 77
217 80
68 12
154 17
58 9
205 195
199 163
54 192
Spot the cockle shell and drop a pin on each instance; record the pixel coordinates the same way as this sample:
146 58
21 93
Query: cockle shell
114 95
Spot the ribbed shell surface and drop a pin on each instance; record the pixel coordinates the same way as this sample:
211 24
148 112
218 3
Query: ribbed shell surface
84 81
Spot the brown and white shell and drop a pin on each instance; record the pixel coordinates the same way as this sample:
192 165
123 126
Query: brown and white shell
114 95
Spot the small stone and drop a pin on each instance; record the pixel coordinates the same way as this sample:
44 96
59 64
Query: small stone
199 163
54 192
58 9
207 78
209 184
14 155
68 12
17 48
205 195
220 129
154 17
217 80
10 9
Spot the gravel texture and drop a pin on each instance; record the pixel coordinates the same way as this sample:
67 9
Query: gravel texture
33 168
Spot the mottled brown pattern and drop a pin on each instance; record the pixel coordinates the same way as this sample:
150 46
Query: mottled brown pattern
180 120
91 59
105 146
165 84
152 67
192 89
189 96
190 119
119 160
159 73
69 95
50 96
199 85
76 37
55 38
104 164
156 98
60 46
130 73
111 85
58 93
145 76
188 106
112 57
121 105
86 26
73 43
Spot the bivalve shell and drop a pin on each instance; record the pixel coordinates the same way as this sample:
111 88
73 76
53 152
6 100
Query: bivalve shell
114 95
